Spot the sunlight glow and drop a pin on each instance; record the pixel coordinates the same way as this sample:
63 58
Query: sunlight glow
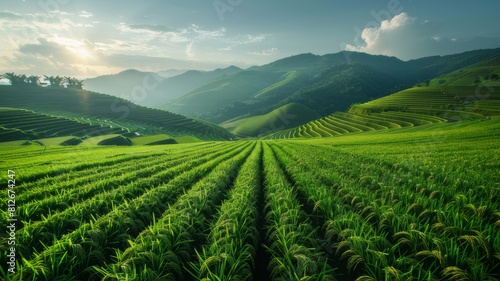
82 52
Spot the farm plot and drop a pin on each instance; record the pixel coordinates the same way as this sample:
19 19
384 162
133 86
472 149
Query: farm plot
416 205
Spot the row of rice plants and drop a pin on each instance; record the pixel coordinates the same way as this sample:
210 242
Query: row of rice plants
322 130
431 211
231 245
113 191
161 251
355 224
46 125
437 195
416 119
356 246
353 124
94 242
55 161
293 242
65 182
49 172
35 233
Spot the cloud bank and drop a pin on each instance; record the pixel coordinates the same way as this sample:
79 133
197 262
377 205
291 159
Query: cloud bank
405 37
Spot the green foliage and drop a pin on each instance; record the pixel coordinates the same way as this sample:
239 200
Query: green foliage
411 107
287 116
118 140
412 203
113 114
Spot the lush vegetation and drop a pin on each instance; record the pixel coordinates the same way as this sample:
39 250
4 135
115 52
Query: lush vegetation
37 126
159 89
325 84
411 107
287 116
35 81
105 111
403 187
419 203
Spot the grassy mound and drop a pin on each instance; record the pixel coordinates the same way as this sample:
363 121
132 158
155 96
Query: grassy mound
287 116
118 140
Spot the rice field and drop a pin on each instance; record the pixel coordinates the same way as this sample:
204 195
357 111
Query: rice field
412 107
421 204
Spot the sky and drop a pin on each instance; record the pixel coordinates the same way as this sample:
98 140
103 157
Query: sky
90 38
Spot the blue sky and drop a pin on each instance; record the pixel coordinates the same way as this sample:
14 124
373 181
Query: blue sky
90 38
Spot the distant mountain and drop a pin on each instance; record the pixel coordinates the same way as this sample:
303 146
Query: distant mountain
325 84
223 91
151 89
176 86
122 84
171 72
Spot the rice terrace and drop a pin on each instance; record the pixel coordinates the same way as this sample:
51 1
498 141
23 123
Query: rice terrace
351 165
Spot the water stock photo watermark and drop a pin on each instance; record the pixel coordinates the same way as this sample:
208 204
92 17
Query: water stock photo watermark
11 222
223 6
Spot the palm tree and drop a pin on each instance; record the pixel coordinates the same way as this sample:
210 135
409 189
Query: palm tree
78 84
50 79
58 81
55 81
15 80
73 82
33 80
69 81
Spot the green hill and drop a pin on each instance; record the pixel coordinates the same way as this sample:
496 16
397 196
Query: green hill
485 73
107 111
224 91
23 124
326 83
412 107
284 117
150 89
470 93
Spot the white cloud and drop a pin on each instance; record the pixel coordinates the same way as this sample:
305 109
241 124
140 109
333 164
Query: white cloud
247 39
390 38
406 38
155 29
60 42
205 34
189 50
85 14
268 52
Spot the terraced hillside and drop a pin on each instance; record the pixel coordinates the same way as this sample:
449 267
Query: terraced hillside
419 204
412 107
23 124
107 111
287 116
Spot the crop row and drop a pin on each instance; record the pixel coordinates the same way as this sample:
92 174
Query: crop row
82 202
231 247
412 233
161 251
281 210
42 125
344 123
122 216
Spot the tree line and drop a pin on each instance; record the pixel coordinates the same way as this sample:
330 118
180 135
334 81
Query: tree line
33 80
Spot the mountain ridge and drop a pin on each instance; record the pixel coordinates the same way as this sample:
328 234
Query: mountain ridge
324 83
